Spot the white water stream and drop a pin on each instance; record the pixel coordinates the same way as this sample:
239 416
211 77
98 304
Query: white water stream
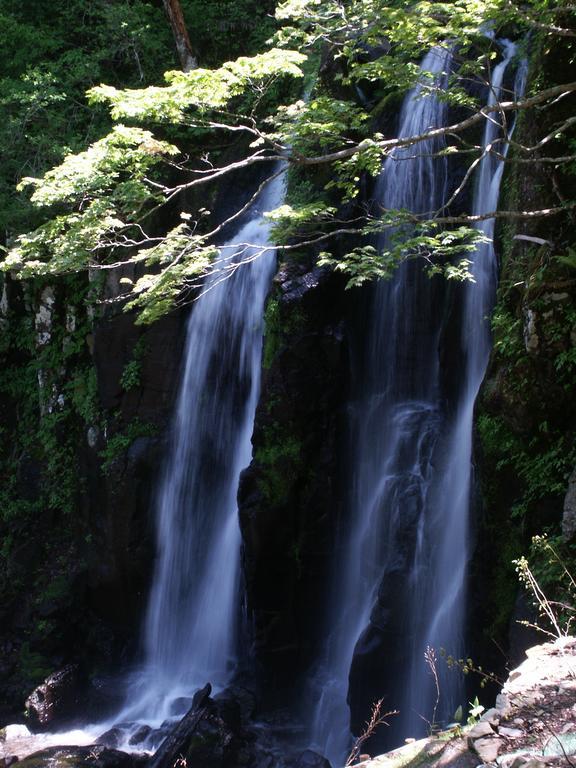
394 420
192 619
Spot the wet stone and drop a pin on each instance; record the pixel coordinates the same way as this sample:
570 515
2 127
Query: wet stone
95 756
180 706
140 735
112 738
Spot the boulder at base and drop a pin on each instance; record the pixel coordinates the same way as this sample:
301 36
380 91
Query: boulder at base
81 757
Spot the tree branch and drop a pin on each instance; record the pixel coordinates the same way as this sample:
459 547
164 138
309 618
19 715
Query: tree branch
390 144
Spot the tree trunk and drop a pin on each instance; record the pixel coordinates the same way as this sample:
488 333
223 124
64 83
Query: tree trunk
186 55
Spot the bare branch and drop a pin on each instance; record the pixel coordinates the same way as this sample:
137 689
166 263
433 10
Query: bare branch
552 28
390 144
249 204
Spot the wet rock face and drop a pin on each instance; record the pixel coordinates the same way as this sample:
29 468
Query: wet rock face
55 699
82 558
289 497
123 494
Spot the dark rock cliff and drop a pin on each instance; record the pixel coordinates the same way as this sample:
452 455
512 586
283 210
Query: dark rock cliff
290 496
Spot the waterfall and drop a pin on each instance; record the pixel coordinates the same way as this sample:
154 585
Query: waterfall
400 583
191 624
394 422
447 527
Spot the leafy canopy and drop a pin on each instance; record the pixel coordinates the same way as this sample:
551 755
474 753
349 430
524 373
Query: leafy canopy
103 203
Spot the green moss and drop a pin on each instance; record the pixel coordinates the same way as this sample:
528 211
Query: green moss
34 667
280 460
280 323
272 332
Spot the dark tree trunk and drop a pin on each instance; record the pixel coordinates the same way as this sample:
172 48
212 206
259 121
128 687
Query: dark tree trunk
186 55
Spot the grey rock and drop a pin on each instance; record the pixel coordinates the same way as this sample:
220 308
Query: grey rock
492 716
502 702
560 745
481 729
487 749
55 698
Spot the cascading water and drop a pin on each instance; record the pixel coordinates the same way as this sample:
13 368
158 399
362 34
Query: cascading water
405 551
191 624
446 527
192 619
394 421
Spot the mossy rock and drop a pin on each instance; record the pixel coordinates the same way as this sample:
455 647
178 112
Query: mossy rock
75 757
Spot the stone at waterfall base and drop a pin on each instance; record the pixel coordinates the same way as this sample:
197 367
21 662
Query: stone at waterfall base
80 757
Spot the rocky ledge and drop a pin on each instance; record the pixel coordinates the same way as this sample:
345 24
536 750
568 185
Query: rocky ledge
532 725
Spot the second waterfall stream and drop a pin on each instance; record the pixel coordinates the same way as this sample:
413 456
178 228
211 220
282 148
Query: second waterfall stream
399 588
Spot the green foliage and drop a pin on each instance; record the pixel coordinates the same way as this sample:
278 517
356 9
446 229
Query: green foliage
82 392
542 463
226 29
304 220
437 250
321 123
475 712
131 375
50 55
105 197
117 163
183 258
200 89
34 666
547 575
272 332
